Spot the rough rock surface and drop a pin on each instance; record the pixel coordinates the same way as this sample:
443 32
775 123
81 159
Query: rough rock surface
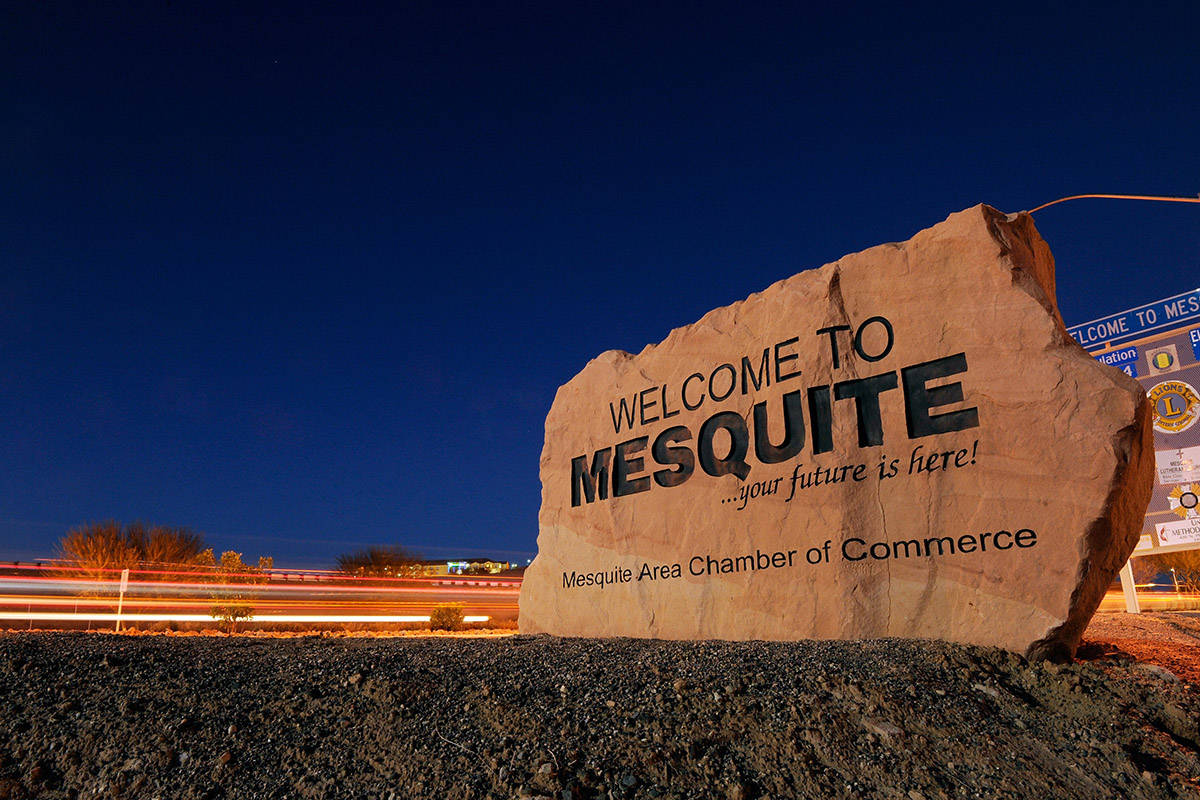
101 716
957 406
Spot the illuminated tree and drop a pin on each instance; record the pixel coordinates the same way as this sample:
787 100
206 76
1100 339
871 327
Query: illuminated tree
100 550
231 603
170 548
1145 569
380 562
1186 565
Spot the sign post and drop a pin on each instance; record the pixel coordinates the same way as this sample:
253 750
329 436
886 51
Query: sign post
1129 589
121 597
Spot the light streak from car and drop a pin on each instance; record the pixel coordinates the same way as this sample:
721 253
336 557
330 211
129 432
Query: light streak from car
59 594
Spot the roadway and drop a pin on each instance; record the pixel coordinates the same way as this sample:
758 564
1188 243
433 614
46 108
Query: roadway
50 597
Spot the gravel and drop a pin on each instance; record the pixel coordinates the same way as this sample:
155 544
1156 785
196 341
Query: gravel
95 715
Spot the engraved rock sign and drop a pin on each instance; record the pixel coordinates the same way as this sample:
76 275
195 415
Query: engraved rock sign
905 442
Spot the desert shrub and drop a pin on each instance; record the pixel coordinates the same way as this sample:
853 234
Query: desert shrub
446 617
231 604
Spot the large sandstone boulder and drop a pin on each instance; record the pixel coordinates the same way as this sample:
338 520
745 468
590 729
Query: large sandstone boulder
905 442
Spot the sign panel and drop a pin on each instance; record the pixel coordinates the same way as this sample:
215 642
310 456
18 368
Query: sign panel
1178 465
1169 312
1119 358
1162 360
849 453
1183 532
1183 500
1167 364
1124 359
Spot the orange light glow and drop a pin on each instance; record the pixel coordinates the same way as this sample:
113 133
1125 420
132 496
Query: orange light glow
314 618
37 593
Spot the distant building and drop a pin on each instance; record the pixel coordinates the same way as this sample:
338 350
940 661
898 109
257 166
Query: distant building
466 566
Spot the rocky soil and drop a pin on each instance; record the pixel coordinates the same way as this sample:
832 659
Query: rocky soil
86 716
1169 640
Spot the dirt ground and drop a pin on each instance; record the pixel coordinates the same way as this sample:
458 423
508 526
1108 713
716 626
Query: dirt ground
104 716
1170 640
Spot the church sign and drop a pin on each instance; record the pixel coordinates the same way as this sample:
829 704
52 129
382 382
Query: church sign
905 442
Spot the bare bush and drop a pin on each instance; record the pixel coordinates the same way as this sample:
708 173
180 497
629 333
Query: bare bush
98 551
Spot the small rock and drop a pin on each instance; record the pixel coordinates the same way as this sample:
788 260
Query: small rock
610 703
225 758
881 728
680 684
546 768
913 794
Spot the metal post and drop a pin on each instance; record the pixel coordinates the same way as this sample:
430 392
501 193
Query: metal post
1176 580
121 599
1130 590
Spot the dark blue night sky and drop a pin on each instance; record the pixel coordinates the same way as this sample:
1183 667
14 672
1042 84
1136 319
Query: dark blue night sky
306 277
